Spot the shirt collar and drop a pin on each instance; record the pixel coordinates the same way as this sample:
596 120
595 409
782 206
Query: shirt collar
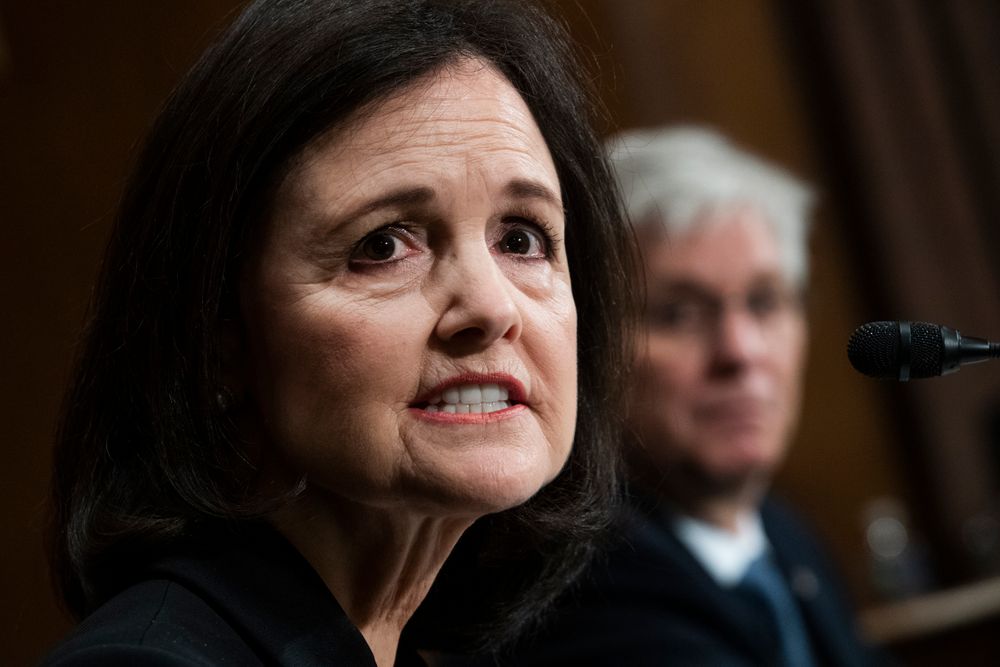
725 555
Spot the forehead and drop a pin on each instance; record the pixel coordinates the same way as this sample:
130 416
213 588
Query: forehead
463 116
723 251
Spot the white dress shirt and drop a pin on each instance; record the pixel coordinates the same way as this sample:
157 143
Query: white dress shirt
724 554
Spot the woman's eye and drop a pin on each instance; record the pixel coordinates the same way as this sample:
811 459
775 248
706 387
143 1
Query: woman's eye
381 246
523 241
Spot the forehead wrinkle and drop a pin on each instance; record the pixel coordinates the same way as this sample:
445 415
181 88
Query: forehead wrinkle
488 134
423 92
389 132
457 105
412 159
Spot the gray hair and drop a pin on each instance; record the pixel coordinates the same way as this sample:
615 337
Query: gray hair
678 176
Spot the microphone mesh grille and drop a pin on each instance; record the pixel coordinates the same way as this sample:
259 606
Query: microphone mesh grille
874 349
927 353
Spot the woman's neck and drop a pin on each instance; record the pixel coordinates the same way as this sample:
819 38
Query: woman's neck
379 563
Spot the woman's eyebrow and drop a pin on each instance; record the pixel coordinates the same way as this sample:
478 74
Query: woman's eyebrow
329 227
401 197
518 188
521 188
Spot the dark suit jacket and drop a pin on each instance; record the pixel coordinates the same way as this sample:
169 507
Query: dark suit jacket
649 602
242 599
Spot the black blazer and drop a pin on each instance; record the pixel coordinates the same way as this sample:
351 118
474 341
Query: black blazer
246 598
649 602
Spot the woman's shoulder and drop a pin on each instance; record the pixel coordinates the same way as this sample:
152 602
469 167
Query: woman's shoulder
154 622
243 596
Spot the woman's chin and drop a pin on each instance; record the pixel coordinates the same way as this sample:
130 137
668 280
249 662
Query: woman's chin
491 485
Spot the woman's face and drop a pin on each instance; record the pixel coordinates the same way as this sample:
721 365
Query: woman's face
410 327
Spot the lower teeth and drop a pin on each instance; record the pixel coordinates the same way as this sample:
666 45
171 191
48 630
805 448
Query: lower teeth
473 408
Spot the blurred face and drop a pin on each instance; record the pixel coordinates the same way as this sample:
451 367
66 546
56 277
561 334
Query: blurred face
409 318
720 372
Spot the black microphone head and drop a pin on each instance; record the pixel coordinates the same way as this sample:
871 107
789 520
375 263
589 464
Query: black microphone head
874 349
877 350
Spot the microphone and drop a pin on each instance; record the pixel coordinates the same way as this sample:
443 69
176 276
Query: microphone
905 350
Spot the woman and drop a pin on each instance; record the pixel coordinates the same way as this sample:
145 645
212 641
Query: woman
335 327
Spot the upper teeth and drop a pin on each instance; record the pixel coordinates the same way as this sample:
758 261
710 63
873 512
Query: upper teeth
470 398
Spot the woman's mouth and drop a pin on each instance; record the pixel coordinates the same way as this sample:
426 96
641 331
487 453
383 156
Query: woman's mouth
471 396
470 399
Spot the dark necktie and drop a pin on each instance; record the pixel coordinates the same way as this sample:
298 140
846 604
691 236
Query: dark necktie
764 580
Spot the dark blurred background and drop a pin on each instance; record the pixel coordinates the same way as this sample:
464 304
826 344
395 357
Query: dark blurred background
891 107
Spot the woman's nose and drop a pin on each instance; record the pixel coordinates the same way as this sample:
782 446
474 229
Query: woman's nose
480 306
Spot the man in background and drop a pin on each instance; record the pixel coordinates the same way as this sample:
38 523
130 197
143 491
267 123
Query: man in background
709 569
